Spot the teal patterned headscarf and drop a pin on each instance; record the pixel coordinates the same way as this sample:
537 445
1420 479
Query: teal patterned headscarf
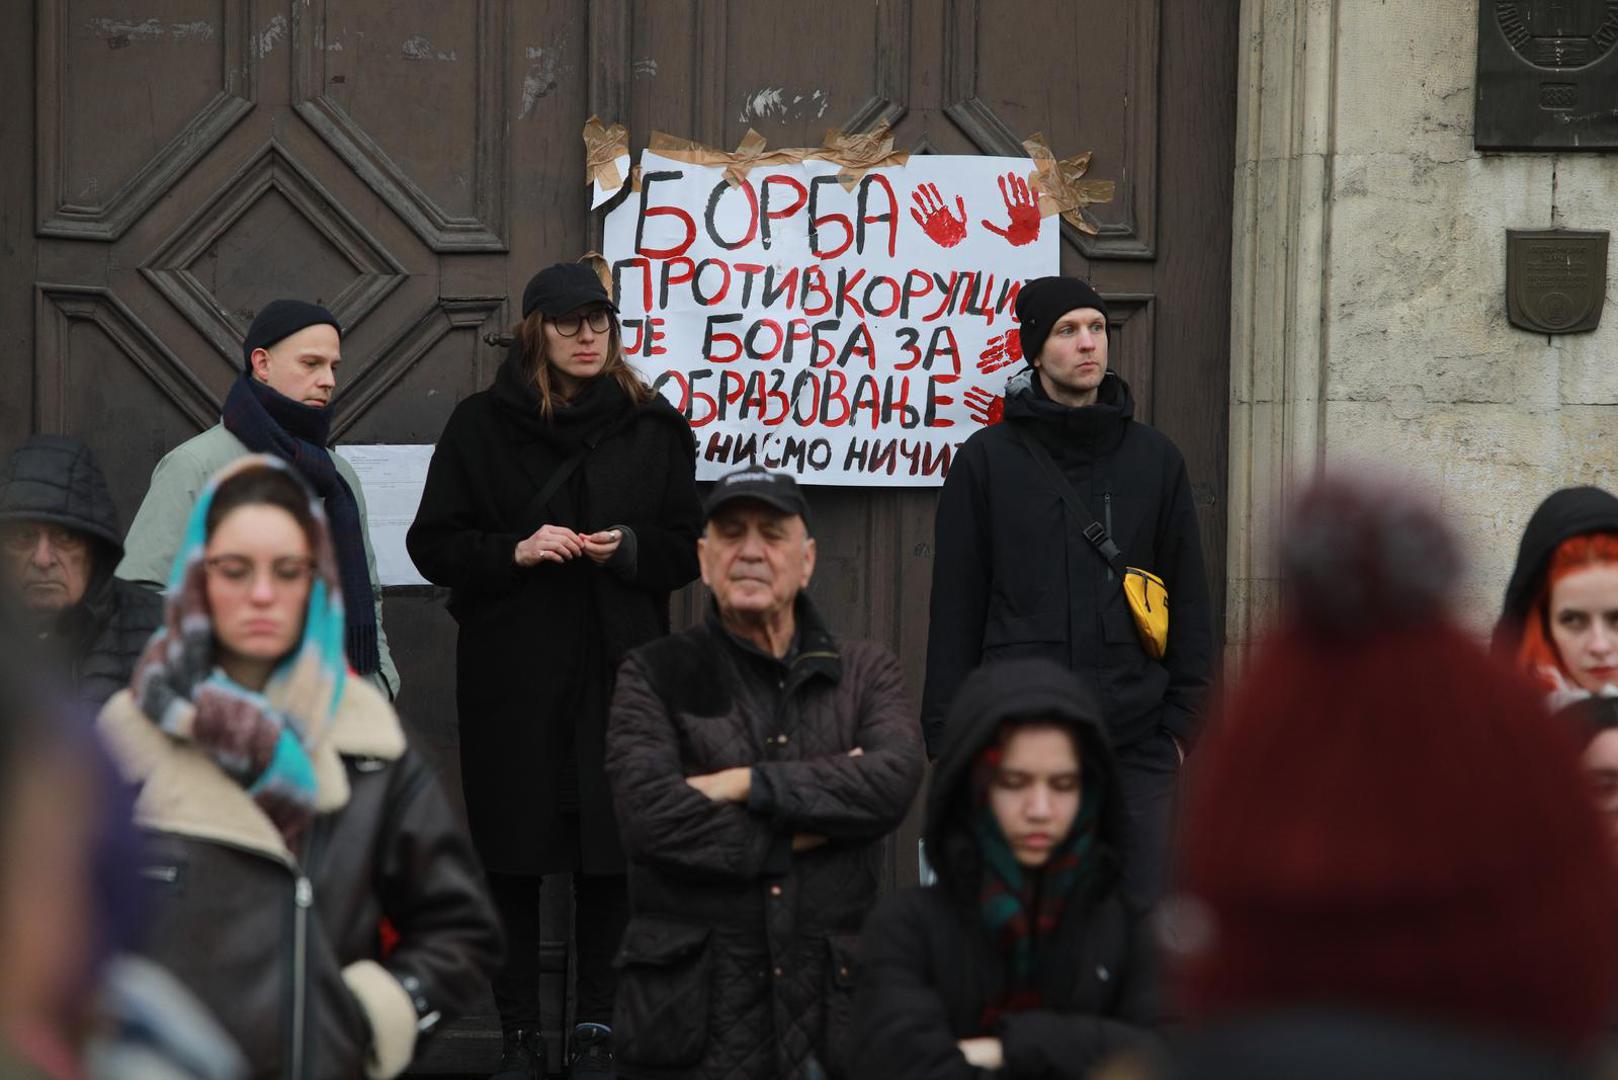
260 739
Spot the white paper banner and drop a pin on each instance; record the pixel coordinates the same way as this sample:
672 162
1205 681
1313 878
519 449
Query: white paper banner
848 337
392 478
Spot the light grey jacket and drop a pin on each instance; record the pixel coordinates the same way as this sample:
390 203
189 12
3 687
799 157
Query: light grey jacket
159 526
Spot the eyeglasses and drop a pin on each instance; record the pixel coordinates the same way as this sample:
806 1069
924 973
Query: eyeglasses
240 572
20 539
600 321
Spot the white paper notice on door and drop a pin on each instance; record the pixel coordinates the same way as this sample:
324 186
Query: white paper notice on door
392 478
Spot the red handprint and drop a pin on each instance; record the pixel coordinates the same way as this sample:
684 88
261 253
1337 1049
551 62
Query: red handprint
934 217
986 408
1003 351
1023 209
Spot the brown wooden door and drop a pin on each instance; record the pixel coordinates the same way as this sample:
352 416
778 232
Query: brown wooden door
410 164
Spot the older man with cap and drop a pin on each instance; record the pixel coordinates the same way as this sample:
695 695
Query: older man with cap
279 405
1037 521
756 763
60 539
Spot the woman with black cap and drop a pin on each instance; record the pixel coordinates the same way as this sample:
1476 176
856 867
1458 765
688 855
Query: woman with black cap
1559 623
1026 957
561 510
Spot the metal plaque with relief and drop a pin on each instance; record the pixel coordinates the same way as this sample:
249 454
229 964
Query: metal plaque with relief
1547 75
1556 279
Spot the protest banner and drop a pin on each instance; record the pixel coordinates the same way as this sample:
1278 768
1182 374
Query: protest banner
847 328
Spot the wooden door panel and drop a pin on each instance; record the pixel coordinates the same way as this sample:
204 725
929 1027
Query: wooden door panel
126 104
270 230
413 98
1084 74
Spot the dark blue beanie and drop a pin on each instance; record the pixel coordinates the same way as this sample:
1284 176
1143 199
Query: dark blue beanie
280 319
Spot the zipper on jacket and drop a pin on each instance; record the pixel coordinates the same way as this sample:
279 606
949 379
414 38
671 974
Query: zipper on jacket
1106 521
303 898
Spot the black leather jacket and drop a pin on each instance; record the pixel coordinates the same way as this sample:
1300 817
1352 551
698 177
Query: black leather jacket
286 945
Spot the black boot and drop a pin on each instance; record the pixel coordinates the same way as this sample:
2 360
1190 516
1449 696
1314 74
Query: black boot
522 1056
591 1058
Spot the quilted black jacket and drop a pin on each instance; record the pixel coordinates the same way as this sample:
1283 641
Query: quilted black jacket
740 957
93 646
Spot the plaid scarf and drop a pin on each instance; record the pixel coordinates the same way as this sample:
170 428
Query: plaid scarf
1022 906
260 740
270 423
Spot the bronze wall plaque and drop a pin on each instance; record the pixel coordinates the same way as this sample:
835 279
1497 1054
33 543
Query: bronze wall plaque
1547 75
1556 279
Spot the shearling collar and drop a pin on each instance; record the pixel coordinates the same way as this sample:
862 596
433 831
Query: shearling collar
182 791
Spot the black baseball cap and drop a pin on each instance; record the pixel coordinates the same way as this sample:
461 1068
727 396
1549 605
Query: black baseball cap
778 490
564 287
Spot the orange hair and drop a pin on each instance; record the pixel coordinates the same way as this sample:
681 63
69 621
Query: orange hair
1537 654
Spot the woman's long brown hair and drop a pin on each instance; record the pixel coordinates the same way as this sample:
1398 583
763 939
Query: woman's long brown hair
531 333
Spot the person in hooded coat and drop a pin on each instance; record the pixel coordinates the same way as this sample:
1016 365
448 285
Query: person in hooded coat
1015 575
561 508
1559 622
60 539
1038 965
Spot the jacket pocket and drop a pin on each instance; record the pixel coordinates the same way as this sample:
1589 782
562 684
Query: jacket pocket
661 1013
842 973
1043 633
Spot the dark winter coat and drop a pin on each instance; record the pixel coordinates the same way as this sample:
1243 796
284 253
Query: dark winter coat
1341 1045
930 967
284 945
740 957
1564 514
1011 579
538 645
92 647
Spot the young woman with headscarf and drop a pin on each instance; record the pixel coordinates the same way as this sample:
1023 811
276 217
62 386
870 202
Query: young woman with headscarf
285 819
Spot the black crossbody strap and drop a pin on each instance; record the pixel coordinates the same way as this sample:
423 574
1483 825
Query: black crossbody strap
1091 529
536 506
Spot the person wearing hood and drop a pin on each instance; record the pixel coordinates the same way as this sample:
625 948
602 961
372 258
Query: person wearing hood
1035 520
280 404
1389 866
59 535
1025 955
561 509
1559 622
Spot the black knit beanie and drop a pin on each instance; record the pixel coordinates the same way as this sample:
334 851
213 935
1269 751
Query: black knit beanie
1044 300
281 319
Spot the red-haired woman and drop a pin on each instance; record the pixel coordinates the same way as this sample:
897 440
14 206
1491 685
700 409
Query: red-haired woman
1560 620
561 509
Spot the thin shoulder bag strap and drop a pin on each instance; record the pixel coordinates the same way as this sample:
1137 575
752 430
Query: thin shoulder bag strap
1091 529
536 506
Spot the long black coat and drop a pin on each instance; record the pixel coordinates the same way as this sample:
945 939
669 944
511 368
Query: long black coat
740 957
538 646
92 647
1011 579
930 970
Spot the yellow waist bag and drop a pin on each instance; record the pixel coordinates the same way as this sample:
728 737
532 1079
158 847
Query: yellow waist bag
1147 595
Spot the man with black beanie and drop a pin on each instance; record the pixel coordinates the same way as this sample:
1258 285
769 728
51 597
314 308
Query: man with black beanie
1036 521
280 405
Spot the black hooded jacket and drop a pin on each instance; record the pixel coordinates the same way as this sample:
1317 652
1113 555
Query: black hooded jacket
930 966
1564 514
93 645
1011 579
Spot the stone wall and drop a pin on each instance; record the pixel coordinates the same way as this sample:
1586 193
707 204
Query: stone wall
1369 287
